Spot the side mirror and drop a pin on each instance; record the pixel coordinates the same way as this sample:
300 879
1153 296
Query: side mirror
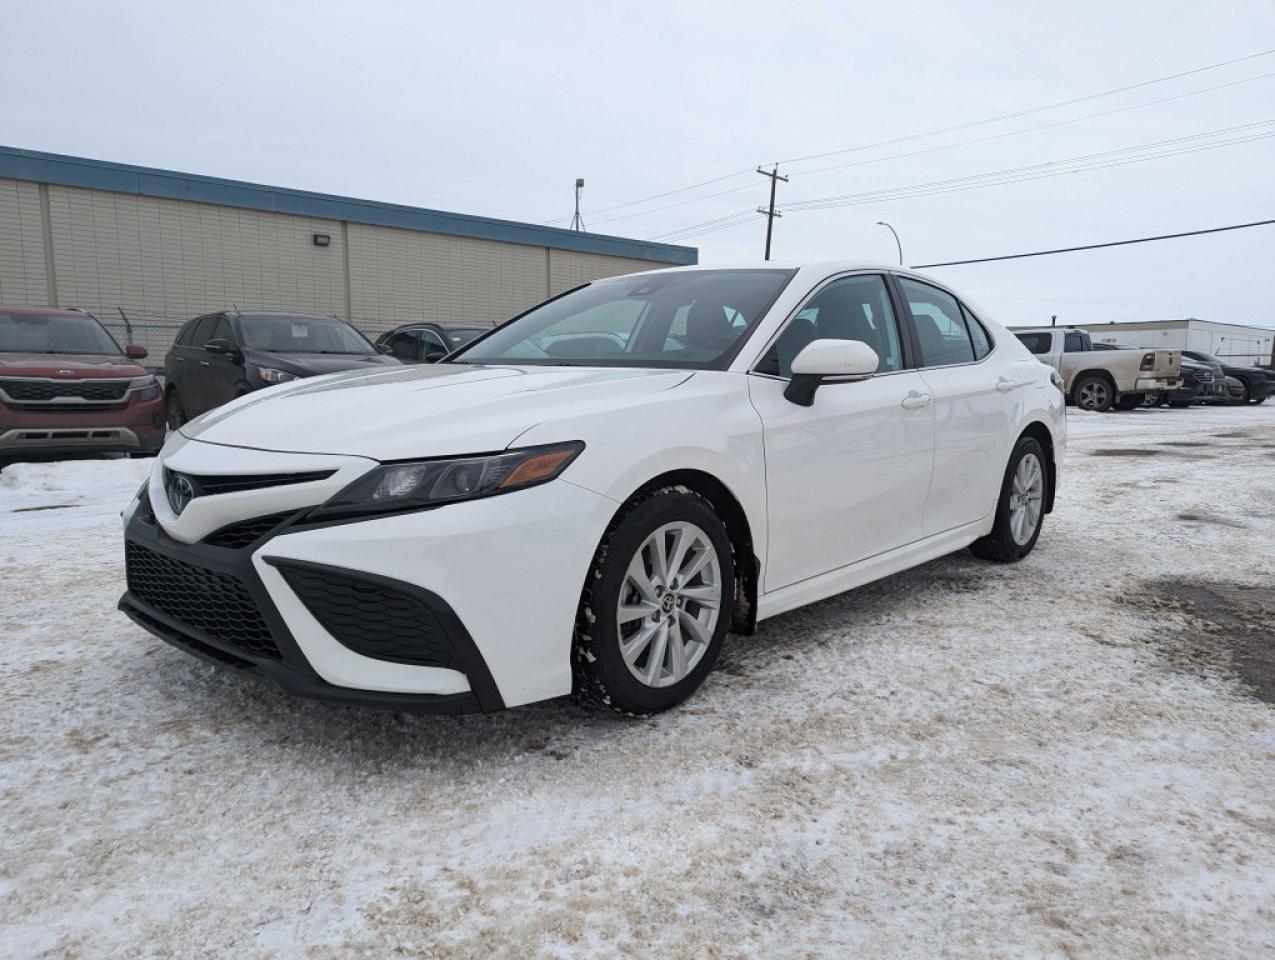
219 347
135 351
822 361
384 349
434 354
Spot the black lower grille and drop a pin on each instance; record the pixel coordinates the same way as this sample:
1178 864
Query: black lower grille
244 532
217 604
371 619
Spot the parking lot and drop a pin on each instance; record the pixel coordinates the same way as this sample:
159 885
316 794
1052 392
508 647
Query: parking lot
1072 755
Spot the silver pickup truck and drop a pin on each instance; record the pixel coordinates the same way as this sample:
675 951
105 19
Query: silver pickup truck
1100 379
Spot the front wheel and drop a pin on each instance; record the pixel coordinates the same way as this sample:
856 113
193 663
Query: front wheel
656 606
1021 508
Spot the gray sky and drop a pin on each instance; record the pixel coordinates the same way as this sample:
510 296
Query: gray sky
495 109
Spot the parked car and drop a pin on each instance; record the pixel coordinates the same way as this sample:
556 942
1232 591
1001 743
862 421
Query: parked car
509 525
1258 384
1196 387
1098 379
221 356
66 387
428 342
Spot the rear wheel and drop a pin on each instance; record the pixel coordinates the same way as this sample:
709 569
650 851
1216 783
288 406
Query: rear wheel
1021 508
656 606
176 415
1094 393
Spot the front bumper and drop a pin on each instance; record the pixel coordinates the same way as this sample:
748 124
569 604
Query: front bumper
209 601
63 430
472 605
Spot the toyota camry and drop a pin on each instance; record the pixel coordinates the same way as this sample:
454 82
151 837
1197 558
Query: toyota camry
588 498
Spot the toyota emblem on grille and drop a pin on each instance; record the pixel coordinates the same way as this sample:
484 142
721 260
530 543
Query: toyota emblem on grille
180 492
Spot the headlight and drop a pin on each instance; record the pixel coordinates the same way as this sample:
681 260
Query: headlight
271 375
148 387
416 484
1057 380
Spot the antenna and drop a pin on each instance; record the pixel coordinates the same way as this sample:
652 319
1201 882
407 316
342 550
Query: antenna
576 222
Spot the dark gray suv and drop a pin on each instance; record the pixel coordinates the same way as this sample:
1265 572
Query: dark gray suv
221 356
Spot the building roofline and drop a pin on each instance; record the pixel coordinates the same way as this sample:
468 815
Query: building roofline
1117 324
54 168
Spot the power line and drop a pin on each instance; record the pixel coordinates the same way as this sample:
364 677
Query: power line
1097 246
929 133
1037 170
1030 110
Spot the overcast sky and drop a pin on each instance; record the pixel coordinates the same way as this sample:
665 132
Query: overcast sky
496 109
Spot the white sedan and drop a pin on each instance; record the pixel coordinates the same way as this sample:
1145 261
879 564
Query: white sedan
588 498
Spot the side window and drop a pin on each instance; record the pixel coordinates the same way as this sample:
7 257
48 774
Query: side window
852 308
978 333
221 330
403 345
1037 343
432 346
940 326
202 331
186 332
1074 343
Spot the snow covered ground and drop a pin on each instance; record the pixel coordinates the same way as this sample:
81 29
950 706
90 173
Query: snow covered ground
1052 758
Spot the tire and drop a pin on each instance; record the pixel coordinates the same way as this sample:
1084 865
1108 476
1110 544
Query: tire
1002 545
657 616
174 412
1259 400
1094 393
1247 395
1180 404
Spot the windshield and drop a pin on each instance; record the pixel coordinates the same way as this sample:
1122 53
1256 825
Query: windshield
291 334
457 337
54 333
691 319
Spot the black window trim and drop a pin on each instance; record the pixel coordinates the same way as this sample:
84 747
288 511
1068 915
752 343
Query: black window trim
902 328
911 323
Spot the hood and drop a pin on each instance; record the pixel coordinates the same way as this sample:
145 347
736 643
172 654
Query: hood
71 366
315 364
409 412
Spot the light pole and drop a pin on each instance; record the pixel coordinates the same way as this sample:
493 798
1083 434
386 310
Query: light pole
897 242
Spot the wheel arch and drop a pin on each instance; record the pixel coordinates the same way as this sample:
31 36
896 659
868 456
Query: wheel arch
727 506
1094 372
1039 432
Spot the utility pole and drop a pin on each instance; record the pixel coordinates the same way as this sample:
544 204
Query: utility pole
576 222
771 213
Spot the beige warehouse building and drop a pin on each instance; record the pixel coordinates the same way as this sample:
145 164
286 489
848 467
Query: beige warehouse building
162 247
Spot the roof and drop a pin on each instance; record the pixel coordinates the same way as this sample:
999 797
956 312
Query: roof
37 167
43 312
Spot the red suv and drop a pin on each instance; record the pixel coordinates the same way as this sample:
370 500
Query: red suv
66 387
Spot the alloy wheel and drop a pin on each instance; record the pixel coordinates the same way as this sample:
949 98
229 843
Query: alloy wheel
669 604
1027 493
1093 394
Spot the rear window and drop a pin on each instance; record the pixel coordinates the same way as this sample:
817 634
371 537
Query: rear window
1036 342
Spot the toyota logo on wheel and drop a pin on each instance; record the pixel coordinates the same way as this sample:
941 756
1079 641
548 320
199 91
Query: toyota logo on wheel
180 492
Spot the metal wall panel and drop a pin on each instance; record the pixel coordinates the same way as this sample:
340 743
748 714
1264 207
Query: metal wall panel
23 280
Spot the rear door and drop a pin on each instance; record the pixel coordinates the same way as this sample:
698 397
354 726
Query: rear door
192 362
847 477
974 392
223 371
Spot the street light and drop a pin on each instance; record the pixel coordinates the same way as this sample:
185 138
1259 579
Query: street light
898 243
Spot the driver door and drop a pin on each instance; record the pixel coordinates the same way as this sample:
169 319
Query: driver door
847 477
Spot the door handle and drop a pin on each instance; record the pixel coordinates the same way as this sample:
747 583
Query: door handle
205 363
915 401
1004 385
